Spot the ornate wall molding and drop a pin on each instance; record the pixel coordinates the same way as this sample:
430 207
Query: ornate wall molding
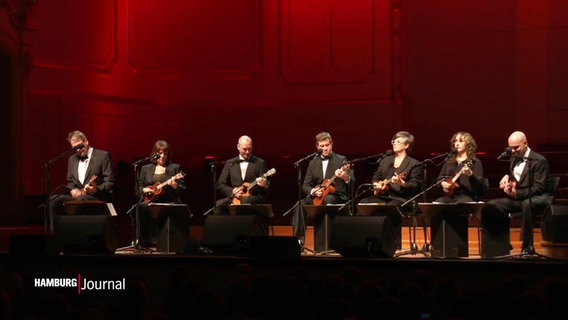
220 41
19 11
84 39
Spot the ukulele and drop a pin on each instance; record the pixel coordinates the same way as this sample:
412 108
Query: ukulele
452 181
90 184
382 186
512 184
158 188
247 187
328 187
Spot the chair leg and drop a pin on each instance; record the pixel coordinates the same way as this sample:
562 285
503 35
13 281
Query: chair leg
479 240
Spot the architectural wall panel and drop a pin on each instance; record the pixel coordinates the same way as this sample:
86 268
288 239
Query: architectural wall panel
189 39
338 42
75 35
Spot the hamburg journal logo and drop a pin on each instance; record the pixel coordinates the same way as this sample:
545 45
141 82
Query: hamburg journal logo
81 284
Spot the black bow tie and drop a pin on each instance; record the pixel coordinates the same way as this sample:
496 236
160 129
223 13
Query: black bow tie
244 160
83 158
326 157
517 161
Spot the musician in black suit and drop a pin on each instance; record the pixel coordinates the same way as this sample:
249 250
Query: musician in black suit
401 172
325 165
90 175
397 179
160 181
528 188
244 168
469 186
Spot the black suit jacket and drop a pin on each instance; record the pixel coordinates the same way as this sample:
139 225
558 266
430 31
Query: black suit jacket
412 176
100 164
535 178
231 176
146 178
314 175
472 186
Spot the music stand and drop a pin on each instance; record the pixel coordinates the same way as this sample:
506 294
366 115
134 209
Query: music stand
89 208
393 213
262 211
173 223
449 226
322 224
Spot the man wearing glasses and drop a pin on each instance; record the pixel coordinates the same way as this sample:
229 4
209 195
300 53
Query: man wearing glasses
528 189
90 175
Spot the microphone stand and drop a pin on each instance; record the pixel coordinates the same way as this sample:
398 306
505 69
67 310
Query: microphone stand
424 165
298 204
214 175
353 196
213 167
136 245
47 216
412 235
359 193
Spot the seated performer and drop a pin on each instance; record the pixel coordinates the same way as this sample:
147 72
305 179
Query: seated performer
528 189
397 178
160 181
324 166
240 171
90 175
463 172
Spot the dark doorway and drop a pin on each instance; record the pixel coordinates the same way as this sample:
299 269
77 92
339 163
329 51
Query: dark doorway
8 142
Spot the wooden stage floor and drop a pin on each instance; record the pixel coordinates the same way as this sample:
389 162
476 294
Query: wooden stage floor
196 233
407 233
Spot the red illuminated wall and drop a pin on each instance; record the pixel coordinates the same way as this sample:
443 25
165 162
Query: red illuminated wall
199 73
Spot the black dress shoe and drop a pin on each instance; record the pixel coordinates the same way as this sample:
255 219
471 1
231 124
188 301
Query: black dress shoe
204 250
529 250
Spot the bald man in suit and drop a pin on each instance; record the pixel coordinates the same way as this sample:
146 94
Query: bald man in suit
244 168
528 188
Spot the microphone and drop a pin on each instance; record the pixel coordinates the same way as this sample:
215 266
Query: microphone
507 152
453 152
155 156
387 153
79 146
318 153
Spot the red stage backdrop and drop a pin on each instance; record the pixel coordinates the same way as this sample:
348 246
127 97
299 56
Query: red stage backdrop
200 73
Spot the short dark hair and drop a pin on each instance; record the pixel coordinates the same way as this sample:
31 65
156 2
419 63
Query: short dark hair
408 138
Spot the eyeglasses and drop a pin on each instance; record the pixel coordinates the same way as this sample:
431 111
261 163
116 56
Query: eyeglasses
397 142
